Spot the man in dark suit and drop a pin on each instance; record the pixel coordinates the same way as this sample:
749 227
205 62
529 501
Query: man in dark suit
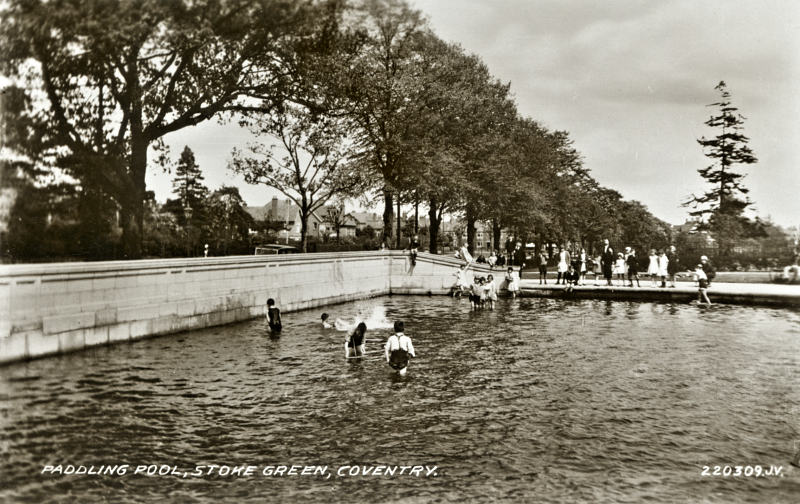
519 257
607 261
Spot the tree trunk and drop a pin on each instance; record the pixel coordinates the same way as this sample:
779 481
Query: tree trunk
133 203
496 229
388 216
132 218
399 223
470 232
304 229
416 217
433 228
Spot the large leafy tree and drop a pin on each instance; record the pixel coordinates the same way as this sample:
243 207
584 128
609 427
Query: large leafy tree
310 165
379 80
118 75
724 203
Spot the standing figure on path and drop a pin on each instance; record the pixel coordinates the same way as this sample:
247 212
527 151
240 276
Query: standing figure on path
663 268
354 342
274 316
542 267
414 248
673 266
607 261
399 348
583 257
633 268
519 257
597 263
563 265
652 267
702 284
619 269
510 251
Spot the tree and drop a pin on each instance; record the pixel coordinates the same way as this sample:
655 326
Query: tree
229 223
378 78
189 207
311 166
119 75
725 201
48 216
188 182
334 215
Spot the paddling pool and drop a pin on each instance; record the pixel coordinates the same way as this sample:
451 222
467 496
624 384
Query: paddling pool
539 400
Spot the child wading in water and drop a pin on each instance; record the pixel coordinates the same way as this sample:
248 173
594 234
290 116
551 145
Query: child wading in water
398 348
274 316
490 289
325 323
512 282
475 292
702 284
354 342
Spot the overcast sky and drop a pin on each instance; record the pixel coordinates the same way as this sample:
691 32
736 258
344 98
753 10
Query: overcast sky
630 81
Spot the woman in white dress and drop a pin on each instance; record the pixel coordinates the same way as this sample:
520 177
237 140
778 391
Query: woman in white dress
652 267
663 266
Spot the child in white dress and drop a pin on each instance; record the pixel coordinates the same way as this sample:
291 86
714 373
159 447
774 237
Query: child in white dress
663 268
620 268
652 267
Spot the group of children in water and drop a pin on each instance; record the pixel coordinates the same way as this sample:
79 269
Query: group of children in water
482 291
397 350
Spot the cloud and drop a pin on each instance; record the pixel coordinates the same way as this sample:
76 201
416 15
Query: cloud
631 80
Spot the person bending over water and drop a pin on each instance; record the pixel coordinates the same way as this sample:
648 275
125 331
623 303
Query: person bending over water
274 316
325 323
354 342
398 348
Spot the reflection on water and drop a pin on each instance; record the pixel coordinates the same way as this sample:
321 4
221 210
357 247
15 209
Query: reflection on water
572 401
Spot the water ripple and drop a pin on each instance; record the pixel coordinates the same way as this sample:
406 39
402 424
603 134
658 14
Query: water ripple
564 400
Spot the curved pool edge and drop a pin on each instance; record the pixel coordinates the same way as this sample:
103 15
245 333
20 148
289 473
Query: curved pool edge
51 309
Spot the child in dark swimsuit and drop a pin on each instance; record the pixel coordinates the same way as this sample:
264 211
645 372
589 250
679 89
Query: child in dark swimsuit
354 342
274 316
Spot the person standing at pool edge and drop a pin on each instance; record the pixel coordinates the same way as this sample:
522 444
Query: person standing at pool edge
607 261
398 348
274 316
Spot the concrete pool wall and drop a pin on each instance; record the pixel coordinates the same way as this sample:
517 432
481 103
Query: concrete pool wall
61 307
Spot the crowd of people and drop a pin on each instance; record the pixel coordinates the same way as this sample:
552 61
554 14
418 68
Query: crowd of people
661 266
607 267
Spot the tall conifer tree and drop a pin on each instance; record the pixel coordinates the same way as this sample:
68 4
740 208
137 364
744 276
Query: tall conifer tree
726 200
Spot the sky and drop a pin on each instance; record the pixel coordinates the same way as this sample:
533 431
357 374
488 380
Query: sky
630 80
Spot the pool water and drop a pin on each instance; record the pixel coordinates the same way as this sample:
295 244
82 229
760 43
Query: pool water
539 400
